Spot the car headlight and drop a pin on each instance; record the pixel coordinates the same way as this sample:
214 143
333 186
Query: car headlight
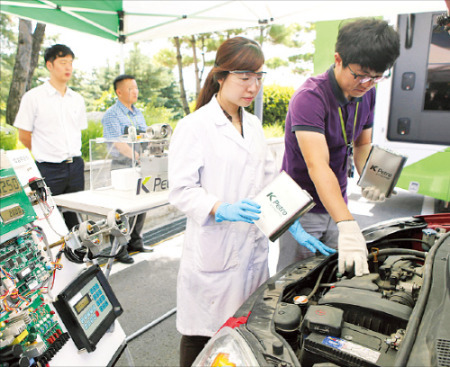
226 348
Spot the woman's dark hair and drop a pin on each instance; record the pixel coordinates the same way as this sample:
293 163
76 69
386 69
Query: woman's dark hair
236 53
371 43
55 51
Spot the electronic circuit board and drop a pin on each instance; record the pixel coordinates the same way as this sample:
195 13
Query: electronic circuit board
22 259
26 319
15 209
36 330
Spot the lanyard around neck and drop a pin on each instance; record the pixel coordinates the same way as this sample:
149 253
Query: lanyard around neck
344 134
133 121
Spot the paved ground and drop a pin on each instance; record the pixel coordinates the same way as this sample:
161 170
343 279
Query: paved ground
146 289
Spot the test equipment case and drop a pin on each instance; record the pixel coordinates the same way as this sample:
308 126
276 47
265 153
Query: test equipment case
88 307
31 331
136 164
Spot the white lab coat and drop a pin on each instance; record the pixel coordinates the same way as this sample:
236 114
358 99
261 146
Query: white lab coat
222 263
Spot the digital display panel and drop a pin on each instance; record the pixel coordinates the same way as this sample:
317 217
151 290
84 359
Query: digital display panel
11 213
82 303
437 92
9 185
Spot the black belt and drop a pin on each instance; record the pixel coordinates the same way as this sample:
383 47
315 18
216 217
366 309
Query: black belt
70 160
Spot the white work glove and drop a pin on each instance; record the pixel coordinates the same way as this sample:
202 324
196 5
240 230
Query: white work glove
352 248
373 194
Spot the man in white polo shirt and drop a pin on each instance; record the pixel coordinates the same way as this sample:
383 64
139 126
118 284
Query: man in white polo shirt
50 119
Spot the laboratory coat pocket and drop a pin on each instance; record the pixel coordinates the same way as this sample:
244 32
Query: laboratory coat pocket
261 248
216 250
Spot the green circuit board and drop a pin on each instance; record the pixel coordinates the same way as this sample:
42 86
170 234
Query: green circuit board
36 328
15 208
22 259
25 316
43 322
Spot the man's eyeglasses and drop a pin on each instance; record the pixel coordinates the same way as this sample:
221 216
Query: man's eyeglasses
247 78
365 78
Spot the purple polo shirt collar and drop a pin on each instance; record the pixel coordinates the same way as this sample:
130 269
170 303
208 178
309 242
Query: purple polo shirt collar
337 91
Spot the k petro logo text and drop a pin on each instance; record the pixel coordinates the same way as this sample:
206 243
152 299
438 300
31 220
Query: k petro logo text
380 172
276 204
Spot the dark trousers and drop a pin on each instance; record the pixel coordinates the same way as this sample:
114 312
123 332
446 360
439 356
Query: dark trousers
190 348
136 234
63 178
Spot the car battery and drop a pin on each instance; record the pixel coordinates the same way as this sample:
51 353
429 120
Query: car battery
357 347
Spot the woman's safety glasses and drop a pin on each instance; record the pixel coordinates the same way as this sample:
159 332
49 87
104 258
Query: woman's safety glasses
246 78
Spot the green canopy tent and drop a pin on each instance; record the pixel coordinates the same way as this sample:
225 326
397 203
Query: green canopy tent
132 21
137 20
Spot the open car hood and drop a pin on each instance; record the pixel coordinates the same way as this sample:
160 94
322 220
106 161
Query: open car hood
398 315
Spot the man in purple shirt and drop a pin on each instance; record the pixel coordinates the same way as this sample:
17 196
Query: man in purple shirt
328 123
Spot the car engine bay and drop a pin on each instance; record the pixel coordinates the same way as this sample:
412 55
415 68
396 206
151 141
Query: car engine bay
310 315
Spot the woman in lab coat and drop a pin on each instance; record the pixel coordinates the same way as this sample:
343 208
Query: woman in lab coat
218 155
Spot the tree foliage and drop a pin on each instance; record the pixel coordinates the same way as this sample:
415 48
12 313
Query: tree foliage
275 104
157 84
180 74
93 131
27 56
159 87
291 36
8 45
8 136
165 57
283 35
150 79
276 62
205 45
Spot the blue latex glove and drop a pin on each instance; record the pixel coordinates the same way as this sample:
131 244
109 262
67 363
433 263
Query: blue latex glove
242 211
310 242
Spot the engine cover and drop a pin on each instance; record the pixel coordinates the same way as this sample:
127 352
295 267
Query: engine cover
368 309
